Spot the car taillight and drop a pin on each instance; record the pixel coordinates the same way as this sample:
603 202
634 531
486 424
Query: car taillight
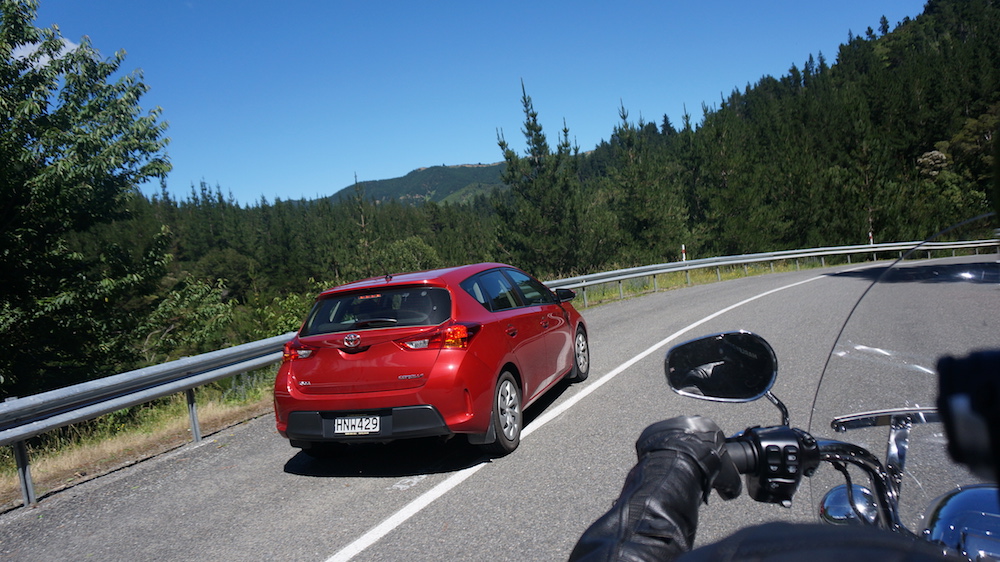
295 351
455 336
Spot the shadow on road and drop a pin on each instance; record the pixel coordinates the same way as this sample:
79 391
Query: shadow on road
406 457
985 271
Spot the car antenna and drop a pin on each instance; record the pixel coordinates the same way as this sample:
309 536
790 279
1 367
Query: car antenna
388 276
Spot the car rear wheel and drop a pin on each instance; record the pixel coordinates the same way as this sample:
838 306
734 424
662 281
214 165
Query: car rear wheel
581 357
506 416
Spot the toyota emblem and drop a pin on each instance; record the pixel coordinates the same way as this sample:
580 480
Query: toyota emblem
352 340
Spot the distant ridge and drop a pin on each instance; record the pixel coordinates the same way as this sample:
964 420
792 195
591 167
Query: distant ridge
439 184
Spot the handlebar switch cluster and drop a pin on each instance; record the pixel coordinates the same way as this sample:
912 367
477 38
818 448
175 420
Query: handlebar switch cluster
784 455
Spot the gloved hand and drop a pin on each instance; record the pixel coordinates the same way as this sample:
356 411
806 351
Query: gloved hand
702 440
969 389
656 514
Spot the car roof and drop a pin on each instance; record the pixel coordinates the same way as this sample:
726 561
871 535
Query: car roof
448 276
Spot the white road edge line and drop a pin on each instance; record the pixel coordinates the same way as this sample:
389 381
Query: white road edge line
428 497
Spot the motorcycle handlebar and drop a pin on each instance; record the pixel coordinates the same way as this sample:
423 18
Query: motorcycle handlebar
774 459
779 451
743 454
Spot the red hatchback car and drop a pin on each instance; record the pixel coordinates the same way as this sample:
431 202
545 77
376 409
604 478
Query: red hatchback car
433 353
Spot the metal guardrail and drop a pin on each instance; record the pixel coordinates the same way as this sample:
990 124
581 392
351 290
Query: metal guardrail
618 276
23 418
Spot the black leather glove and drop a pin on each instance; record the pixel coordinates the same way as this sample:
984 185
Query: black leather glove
702 440
969 390
656 514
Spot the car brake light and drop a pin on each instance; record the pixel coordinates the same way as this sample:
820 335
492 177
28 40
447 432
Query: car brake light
295 351
455 336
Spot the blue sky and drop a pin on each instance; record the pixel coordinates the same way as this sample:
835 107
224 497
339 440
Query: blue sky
294 99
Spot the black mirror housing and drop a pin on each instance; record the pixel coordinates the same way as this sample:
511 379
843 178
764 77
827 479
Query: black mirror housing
565 295
729 367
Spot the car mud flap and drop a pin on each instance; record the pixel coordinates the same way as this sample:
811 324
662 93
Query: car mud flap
484 438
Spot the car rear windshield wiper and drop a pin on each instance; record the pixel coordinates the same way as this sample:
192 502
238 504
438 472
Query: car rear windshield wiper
375 323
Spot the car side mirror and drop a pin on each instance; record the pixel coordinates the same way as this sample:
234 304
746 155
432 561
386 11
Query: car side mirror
729 367
565 295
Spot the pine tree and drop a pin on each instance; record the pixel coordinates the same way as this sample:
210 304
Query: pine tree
646 196
538 217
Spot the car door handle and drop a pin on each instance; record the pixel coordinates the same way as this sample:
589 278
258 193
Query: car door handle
511 330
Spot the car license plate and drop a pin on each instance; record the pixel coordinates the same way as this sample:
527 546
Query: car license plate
361 425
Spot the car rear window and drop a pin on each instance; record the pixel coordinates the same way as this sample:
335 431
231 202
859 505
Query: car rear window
388 308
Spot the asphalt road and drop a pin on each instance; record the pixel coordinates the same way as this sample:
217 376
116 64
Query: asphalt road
244 494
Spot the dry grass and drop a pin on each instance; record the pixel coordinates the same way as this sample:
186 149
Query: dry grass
55 471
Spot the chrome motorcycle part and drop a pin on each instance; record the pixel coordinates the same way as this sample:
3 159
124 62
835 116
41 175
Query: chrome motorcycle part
836 509
966 519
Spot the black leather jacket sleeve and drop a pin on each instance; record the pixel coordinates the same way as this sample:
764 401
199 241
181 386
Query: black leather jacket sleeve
655 516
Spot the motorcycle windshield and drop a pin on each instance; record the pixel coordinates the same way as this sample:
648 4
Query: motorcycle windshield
936 300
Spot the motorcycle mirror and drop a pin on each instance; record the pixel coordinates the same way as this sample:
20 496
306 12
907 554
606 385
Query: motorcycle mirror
729 367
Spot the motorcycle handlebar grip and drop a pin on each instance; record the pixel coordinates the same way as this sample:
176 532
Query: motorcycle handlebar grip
743 454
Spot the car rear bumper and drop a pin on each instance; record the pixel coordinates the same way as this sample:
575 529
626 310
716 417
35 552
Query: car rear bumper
403 422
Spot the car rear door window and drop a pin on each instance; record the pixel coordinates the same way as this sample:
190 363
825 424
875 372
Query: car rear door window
493 290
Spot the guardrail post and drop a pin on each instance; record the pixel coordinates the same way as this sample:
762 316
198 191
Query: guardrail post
656 286
24 473
585 304
718 273
621 291
687 276
193 413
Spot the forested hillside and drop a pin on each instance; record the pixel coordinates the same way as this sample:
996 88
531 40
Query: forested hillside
890 137
440 184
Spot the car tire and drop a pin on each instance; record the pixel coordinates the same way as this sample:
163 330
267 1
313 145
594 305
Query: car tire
581 357
507 417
